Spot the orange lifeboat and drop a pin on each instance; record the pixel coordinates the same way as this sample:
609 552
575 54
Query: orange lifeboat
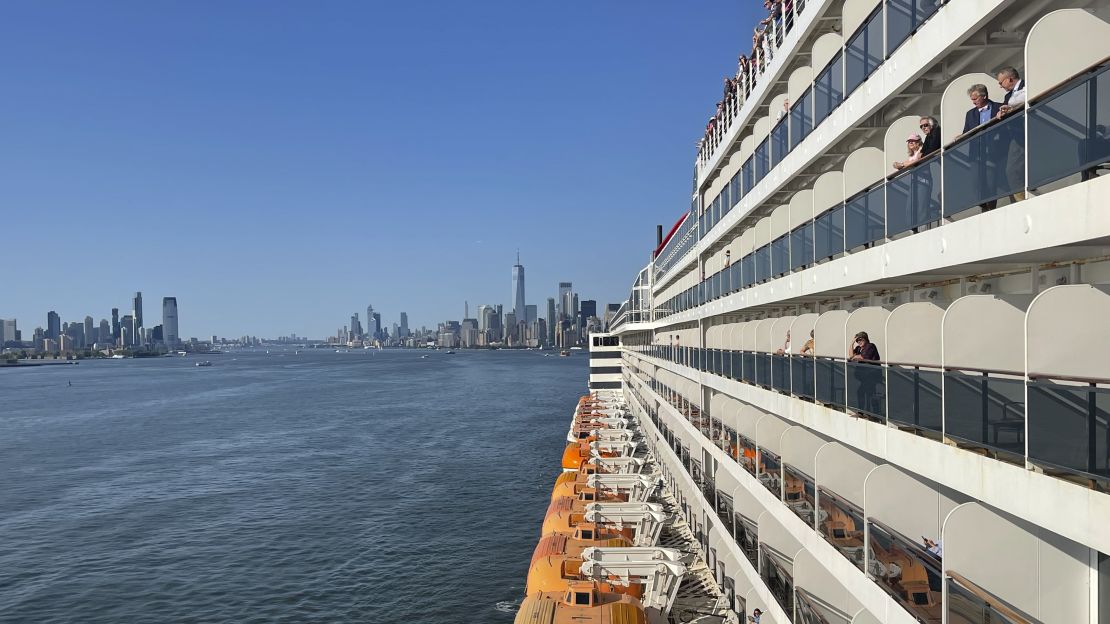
554 573
585 535
564 514
580 603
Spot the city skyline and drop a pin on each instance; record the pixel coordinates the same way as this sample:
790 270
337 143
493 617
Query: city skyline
126 321
238 198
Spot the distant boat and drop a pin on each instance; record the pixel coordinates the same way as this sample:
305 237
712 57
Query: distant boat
423 357
564 353
576 348
116 356
450 353
183 353
204 363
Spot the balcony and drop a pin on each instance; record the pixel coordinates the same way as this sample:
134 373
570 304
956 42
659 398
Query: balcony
1064 125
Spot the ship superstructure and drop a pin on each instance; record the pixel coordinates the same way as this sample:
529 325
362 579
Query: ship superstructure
880 393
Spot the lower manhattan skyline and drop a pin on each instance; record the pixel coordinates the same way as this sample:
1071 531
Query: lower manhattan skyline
197 317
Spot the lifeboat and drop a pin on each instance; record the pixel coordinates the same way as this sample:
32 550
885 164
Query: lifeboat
580 603
585 535
554 573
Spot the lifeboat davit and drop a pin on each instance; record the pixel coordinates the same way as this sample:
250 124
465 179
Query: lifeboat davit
555 573
580 603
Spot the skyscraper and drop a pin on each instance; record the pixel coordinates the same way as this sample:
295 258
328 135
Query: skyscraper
563 302
369 318
169 321
53 325
115 325
518 289
90 331
105 334
356 327
404 325
137 318
530 314
7 331
588 308
551 320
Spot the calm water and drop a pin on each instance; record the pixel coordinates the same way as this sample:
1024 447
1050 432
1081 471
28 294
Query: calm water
372 487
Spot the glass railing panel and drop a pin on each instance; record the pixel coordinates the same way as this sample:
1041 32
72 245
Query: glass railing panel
1069 130
966 606
914 397
735 190
828 237
828 89
770 472
780 255
985 166
801 376
724 509
745 535
801 118
780 141
763 263
762 160
801 246
1068 427
841 524
800 494
748 269
899 23
864 51
909 573
913 197
864 221
748 171
780 372
866 392
763 369
747 453
776 573
810 610
985 410
749 367
737 365
830 381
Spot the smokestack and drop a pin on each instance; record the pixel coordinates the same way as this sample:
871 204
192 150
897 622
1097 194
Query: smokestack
658 235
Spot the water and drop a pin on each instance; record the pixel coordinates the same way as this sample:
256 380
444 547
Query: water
339 487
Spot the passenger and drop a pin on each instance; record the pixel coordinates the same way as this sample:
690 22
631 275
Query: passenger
867 378
982 110
807 348
930 127
913 151
934 548
785 348
1010 80
754 617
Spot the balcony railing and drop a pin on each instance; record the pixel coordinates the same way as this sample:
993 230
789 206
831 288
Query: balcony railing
1064 426
1067 137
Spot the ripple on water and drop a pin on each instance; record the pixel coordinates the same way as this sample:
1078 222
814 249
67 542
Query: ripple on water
377 489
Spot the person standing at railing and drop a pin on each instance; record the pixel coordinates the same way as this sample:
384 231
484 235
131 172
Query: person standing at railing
865 352
930 127
1010 80
982 111
914 152
807 348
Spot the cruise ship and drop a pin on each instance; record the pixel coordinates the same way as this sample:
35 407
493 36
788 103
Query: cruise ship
882 395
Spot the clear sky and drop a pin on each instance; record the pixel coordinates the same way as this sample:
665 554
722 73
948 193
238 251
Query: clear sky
278 166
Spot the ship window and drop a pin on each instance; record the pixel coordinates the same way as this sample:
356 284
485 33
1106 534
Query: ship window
920 598
794 496
587 535
839 533
903 18
582 598
587 496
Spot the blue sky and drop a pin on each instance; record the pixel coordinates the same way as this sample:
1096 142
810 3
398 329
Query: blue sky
277 166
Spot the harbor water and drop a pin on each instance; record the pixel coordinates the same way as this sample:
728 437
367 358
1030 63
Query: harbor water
366 486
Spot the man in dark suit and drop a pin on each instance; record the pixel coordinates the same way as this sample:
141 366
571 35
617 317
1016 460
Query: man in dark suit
982 111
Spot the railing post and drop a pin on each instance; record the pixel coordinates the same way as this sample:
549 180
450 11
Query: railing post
1092 412
916 396
985 405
